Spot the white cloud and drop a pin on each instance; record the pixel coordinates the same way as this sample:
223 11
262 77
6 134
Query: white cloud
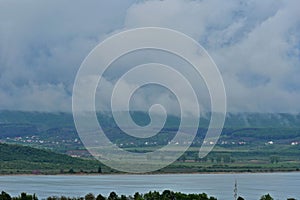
250 42
255 44
43 44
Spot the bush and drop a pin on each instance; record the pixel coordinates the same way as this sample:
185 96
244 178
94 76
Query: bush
266 197
89 196
100 197
4 196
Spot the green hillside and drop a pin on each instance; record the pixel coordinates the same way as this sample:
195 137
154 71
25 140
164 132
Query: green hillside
23 159
46 120
255 142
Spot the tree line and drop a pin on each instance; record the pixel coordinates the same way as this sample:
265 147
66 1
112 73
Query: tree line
165 195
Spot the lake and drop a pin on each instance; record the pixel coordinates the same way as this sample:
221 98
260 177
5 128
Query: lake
250 186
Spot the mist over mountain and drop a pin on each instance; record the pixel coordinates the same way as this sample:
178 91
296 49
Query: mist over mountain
43 120
255 45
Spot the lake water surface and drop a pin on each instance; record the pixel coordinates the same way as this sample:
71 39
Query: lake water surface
250 186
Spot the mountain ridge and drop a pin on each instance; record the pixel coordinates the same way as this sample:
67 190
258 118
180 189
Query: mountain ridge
59 119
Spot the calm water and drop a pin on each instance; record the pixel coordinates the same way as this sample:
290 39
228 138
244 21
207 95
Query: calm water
250 186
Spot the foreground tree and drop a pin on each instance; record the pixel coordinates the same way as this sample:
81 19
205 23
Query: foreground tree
113 196
138 196
266 197
4 196
99 170
100 197
89 196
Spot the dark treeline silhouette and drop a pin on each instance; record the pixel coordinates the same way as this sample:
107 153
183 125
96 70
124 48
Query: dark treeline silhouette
165 195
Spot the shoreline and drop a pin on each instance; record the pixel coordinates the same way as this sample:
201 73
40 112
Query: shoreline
150 174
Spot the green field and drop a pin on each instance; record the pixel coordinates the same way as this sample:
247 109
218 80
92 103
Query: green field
16 159
249 142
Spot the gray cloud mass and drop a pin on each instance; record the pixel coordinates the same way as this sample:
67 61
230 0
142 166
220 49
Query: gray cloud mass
256 45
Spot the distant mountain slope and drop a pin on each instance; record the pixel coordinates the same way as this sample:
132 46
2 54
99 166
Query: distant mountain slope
57 132
60 119
263 120
42 120
25 159
251 139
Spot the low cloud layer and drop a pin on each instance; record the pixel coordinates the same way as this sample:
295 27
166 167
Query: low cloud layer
254 43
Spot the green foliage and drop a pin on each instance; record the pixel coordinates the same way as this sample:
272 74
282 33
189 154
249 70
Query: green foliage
25 196
113 196
266 197
64 198
28 160
152 195
89 196
137 196
274 159
170 195
100 197
99 169
254 156
123 197
4 196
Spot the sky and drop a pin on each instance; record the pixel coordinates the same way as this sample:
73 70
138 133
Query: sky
255 44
